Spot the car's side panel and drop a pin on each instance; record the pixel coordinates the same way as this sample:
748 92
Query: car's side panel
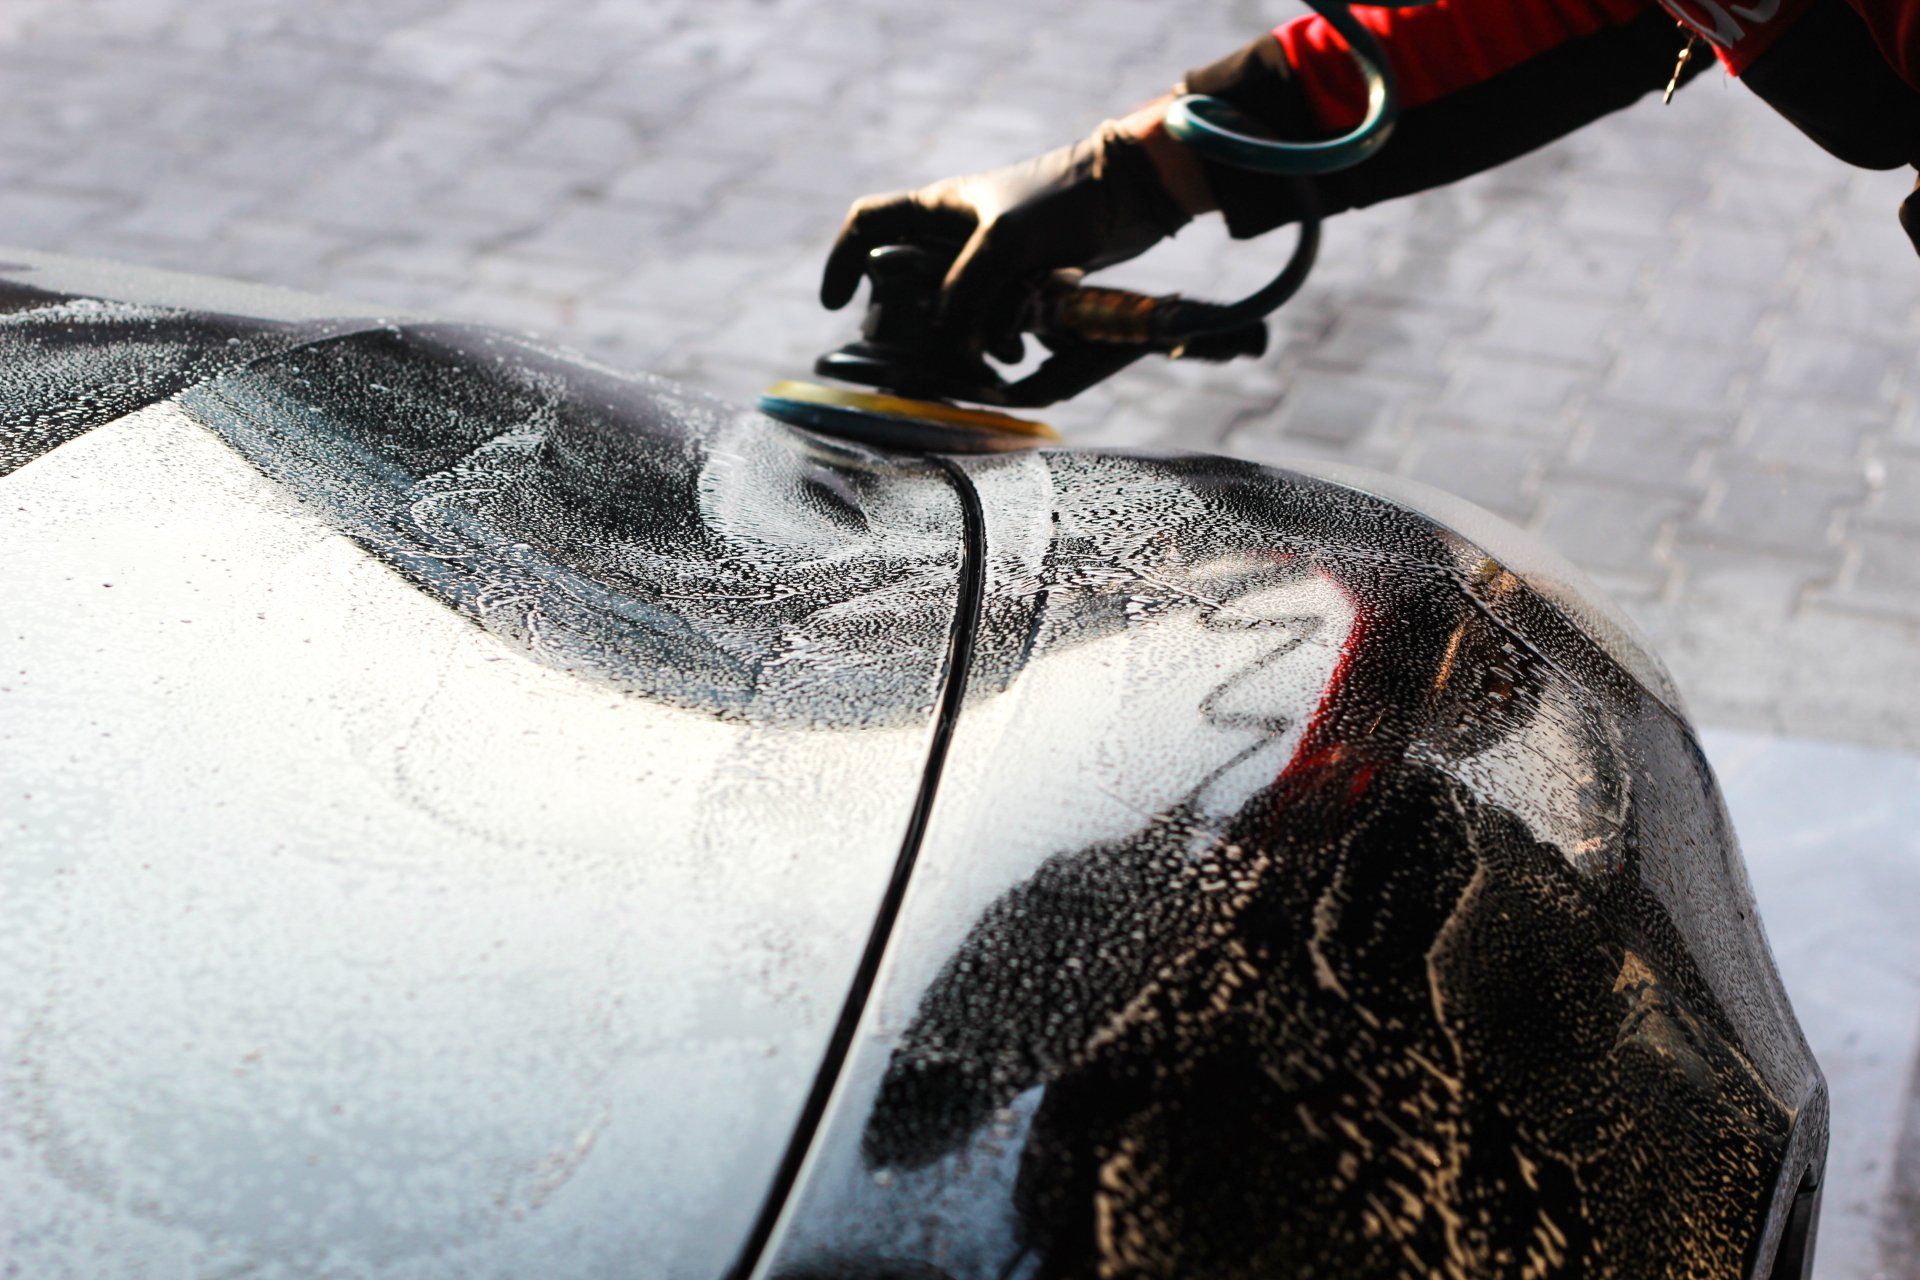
1305 895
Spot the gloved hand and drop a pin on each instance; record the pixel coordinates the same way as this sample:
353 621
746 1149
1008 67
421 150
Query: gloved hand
1089 205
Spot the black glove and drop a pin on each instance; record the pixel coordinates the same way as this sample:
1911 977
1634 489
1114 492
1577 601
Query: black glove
1089 205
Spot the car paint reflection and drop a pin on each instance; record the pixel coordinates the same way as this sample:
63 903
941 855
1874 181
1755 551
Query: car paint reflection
1371 1015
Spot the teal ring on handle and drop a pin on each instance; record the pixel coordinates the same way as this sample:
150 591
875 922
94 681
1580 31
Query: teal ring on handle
1219 132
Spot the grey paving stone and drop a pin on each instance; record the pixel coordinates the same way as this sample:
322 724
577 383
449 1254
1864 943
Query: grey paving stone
1608 528
274 155
1704 313
429 56
757 222
1811 435
582 47
1431 268
1619 145
273 59
1744 256
1500 212
428 148
1394 342
351 28
383 289
535 314
583 233
1528 324
355 104
120 168
1761 585
1339 410
799 176
345 195
783 339
503 199
51 218
410 263
645 92
679 183
170 255
265 248
849 35
1633 447
1769 198
727 40
1251 438
1620 208
1568 261
166 212
1499 392
629 334
1776 508
1893 474
1768 140
721 131
1882 575
1257 384
682 280
516 272
1842 368
1903 424
1502 474
579 141
1877 304
494 23
1871 190
1865 239
1672 375
1639 589
1166 418
503 98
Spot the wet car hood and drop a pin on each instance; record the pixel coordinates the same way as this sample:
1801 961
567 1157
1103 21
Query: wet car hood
474 811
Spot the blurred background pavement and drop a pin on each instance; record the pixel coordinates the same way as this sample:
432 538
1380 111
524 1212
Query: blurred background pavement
1679 345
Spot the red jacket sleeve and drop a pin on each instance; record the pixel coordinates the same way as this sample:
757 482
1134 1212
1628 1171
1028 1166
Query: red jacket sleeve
1481 81
1896 30
1438 49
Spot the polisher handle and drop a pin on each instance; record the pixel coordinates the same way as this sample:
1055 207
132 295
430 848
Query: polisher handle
1165 323
1096 331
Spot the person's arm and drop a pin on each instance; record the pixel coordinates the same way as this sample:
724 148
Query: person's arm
1480 81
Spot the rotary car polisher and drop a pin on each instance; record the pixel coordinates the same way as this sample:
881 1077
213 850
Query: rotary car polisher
913 388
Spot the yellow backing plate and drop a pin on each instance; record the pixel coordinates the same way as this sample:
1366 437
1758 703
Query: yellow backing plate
934 411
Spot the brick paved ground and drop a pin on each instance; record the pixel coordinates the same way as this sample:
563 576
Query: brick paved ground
1679 345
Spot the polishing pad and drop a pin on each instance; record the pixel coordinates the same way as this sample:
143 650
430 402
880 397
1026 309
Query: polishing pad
894 422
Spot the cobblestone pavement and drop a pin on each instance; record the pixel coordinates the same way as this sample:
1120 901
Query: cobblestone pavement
1679 344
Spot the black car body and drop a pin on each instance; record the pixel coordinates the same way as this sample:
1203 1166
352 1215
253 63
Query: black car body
470 811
